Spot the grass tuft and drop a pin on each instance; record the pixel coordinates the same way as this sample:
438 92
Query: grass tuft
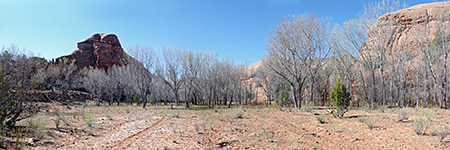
369 121
36 128
321 118
403 114
423 122
307 107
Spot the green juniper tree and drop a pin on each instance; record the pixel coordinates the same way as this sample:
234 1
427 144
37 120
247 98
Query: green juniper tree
339 98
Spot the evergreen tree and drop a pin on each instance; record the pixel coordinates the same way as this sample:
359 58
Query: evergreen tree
339 98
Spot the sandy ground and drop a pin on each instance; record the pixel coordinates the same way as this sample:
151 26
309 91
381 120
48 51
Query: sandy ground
131 127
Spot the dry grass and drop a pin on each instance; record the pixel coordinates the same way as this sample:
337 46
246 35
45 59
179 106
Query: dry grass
236 128
403 114
321 118
37 127
423 121
369 121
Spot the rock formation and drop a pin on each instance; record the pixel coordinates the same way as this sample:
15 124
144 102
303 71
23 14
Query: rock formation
414 26
101 50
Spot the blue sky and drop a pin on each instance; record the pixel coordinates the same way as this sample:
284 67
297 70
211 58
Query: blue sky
236 29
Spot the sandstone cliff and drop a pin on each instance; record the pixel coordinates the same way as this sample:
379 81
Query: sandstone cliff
100 50
413 27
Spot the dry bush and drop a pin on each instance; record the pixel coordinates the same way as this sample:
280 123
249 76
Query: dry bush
307 107
110 116
441 131
36 128
238 113
321 118
369 121
60 117
403 114
19 138
89 121
3 133
423 121
383 108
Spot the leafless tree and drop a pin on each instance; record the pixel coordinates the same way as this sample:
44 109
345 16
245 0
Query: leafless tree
191 66
143 75
368 44
61 76
96 81
441 44
271 83
169 70
296 49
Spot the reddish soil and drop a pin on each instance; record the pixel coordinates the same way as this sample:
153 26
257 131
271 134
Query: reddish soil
130 127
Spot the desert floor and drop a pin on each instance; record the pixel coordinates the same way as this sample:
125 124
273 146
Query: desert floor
241 127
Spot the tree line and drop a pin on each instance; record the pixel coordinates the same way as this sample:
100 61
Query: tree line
173 76
305 56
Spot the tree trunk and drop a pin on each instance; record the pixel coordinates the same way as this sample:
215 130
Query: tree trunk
444 82
177 98
366 97
297 97
374 90
294 96
231 101
311 96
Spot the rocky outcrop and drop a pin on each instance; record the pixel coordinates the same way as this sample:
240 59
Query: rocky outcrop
414 26
101 50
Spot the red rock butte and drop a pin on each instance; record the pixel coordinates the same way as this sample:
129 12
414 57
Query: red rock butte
101 50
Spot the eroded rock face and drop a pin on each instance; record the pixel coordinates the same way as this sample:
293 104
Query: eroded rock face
101 50
414 26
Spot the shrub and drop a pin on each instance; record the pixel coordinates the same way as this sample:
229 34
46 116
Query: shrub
403 115
60 117
3 131
238 113
362 118
88 119
369 121
16 97
419 126
321 118
89 122
441 131
383 108
423 121
136 98
308 107
36 127
19 138
339 98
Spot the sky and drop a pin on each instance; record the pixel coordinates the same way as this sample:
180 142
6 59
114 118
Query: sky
235 29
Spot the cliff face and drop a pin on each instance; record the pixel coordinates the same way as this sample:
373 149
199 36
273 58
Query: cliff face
100 50
414 26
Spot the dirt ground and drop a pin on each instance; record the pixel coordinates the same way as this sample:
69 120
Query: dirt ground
158 127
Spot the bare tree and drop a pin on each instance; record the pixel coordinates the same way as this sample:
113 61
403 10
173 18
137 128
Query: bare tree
143 76
61 76
368 44
441 43
270 83
191 63
96 81
169 70
293 48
